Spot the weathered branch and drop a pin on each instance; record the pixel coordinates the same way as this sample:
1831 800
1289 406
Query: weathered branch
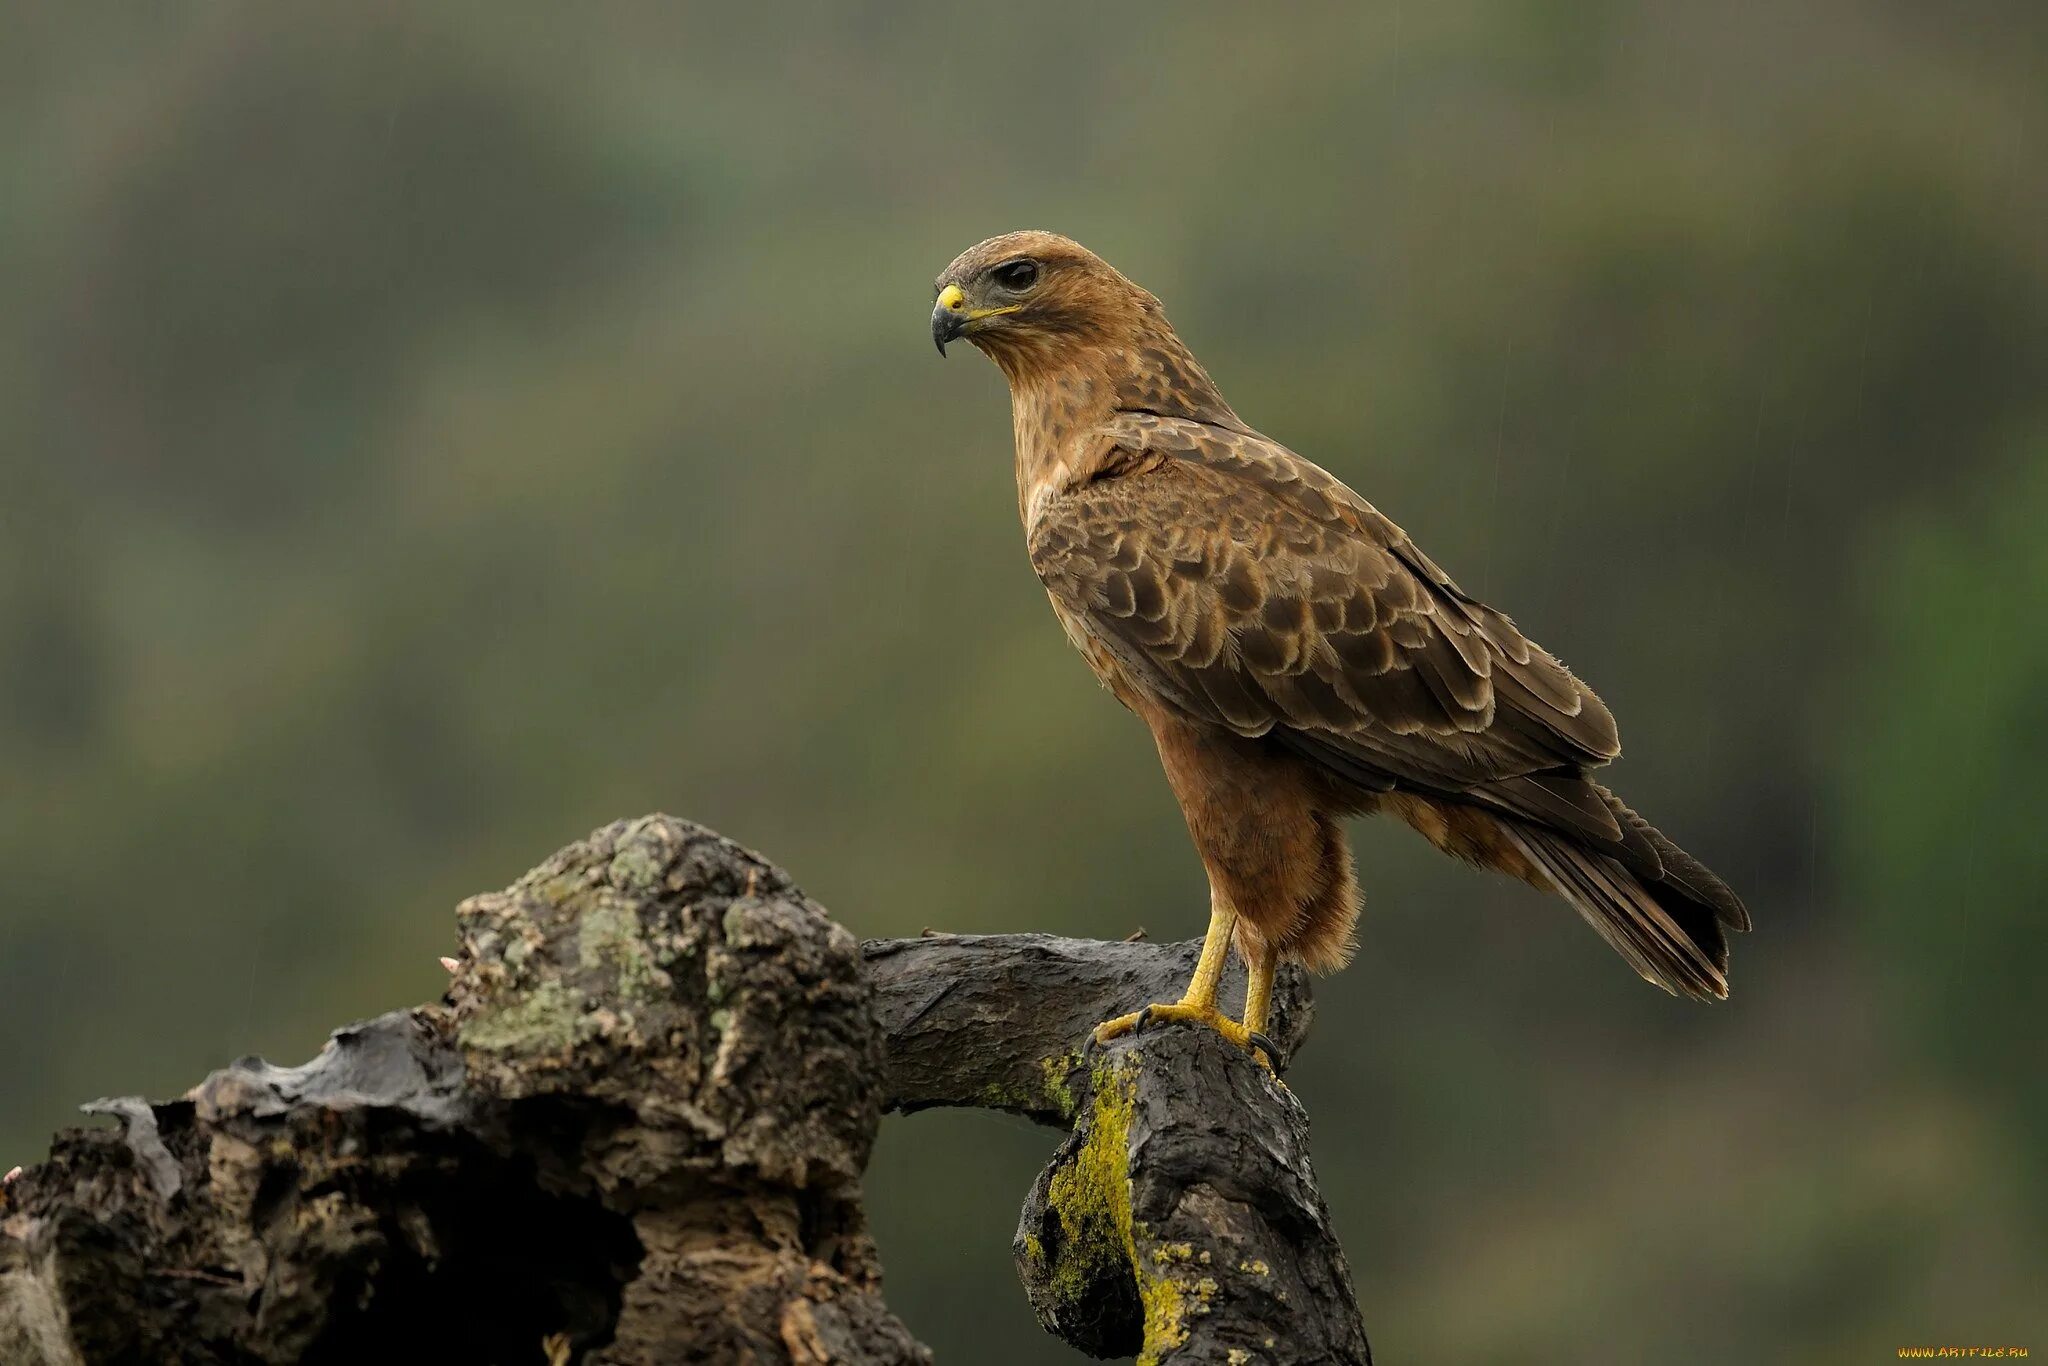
1000 1021
633 1132
1181 1220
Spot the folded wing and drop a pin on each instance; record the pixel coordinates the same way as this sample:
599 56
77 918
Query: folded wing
1250 589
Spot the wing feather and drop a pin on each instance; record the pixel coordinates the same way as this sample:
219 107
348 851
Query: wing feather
1251 589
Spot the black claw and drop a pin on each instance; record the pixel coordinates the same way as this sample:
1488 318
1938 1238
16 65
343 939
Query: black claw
1272 1054
1144 1018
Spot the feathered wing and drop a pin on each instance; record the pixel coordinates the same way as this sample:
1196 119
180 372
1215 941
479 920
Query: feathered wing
1252 590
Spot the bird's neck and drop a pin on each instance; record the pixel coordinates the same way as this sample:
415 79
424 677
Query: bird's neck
1061 411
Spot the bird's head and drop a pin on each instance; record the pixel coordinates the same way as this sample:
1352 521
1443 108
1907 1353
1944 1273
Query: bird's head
1026 297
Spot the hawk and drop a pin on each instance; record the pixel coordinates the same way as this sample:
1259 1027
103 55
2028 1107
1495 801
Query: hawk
1297 658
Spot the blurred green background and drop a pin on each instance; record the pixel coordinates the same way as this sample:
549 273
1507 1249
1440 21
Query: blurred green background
430 431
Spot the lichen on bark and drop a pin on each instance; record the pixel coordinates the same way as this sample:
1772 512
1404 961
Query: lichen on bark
1180 1223
633 1131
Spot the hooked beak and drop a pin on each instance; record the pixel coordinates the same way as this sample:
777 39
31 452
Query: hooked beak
949 316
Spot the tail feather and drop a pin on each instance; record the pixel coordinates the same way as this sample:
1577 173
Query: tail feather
1682 868
1670 931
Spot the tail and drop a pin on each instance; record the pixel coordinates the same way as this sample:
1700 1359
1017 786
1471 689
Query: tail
1665 914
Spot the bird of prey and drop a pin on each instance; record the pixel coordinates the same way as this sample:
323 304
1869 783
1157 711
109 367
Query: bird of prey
1297 658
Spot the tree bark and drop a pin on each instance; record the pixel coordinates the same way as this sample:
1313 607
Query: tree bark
633 1132
1001 1021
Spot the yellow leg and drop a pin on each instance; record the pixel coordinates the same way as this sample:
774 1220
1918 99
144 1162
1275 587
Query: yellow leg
1198 1004
1215 953
1258 1002
1258 990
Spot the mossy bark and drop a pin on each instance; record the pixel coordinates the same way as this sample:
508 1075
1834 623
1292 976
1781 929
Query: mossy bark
633 1132
1181 1221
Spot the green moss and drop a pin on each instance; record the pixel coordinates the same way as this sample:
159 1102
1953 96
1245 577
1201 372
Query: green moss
608 937
549 1020
1057 1092
635 868
1049 1091
1091 1195
1165 1311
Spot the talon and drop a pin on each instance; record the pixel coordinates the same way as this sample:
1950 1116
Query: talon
1118 1027
1187 1012
1267 1053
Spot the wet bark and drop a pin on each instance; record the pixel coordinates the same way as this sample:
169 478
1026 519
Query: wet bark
633 1132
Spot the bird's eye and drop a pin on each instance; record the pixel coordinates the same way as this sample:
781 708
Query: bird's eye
1016 275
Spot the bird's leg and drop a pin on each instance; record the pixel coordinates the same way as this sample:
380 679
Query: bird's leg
1258 990
1198 1004
1258 1000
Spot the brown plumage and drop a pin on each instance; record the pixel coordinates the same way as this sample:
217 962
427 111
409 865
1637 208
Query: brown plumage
1297 658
